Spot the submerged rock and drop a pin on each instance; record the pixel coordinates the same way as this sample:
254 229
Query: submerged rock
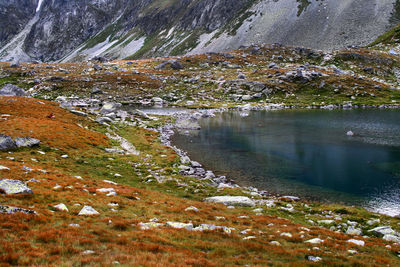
11 187
12 90
232 200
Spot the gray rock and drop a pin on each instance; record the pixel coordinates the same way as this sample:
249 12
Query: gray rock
97 67
79 113
382 230
353 231
6 143
12 90
232 201
115 150
26 142
12 187
173 63
391 238
179 225
109 107
12 210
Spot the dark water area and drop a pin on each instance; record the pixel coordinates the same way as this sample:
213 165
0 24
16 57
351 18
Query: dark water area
306 153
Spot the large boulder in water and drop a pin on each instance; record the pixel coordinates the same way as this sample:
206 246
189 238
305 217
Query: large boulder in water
12 90
6 143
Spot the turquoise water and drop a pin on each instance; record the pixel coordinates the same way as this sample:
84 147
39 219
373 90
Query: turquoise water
306 153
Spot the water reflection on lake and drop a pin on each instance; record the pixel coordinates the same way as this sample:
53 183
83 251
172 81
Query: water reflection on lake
307 153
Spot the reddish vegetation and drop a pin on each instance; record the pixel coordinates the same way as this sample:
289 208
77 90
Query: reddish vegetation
29 117
48 239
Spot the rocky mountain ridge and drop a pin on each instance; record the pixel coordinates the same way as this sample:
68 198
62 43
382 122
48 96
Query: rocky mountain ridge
49 30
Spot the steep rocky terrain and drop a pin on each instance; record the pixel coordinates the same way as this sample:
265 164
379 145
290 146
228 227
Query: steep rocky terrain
77 30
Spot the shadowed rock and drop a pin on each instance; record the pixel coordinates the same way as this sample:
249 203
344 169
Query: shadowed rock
26 142
6 143
12 90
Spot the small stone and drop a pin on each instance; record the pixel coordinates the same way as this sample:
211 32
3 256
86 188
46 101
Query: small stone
192 208
64 156
249 237
87 211
351 251
61 207
3 168
275 243
314 259
74 225
286 235
350 133
356 242
179 225
314 241
105 190
11 210
88 252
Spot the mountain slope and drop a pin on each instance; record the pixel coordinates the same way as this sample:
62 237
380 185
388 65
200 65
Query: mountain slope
79 30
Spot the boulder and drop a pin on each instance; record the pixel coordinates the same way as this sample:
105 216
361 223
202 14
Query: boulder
26 142
6 143
12 187
61 207
232 200
11 210
382 230
12 90
391 238
173 63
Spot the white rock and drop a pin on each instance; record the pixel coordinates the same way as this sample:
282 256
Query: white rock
179 225
314 259
249 237
232 200
4 168
110 182
88 210
383 230
88 252
192 208
353 231
275 243
287 235
350 133
112 194
314 241
356 242
61 207
391 238
64 156
105 190
352 251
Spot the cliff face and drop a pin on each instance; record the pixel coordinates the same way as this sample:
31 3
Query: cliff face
73 30
14 15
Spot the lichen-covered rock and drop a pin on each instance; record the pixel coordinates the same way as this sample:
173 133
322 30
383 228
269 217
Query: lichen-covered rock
11 210
109 107
149 225
26 142
88 211
11 90
6 143
11 187
232 201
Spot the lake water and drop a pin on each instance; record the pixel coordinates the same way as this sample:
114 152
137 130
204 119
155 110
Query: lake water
306 153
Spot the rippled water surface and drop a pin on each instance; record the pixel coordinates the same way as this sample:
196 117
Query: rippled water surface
306 153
